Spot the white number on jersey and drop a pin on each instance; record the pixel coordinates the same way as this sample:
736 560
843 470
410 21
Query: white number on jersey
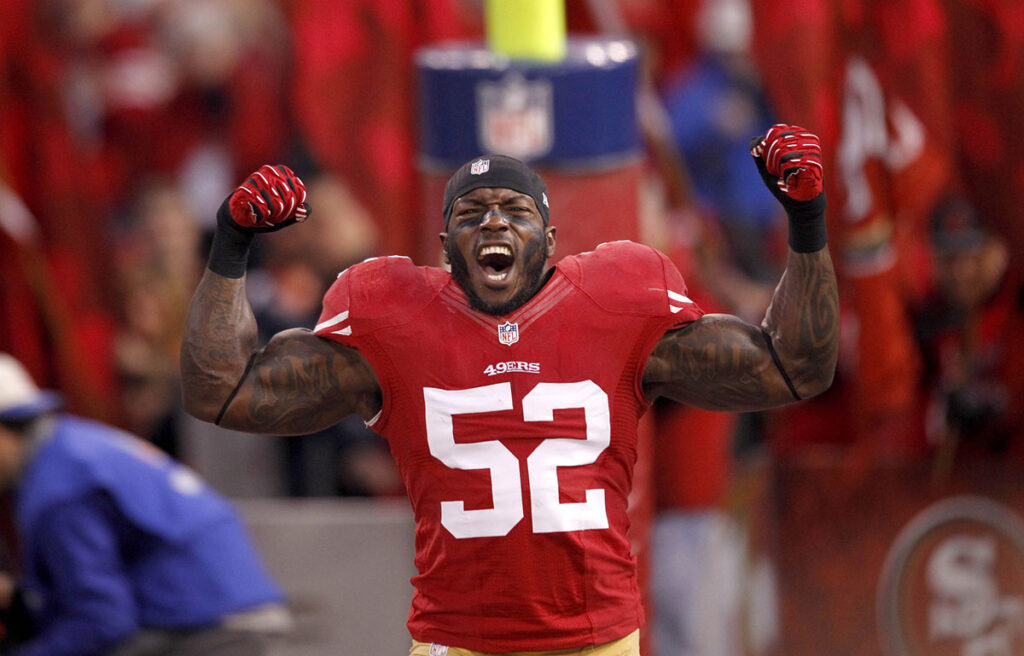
549 514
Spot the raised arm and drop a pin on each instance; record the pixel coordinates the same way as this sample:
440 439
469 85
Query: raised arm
720 362
298 383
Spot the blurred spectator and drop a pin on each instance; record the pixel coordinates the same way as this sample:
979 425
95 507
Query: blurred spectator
730 243
697 548
96 97
123 551
711 583
157 260
971 331
169 88
55 274
716 105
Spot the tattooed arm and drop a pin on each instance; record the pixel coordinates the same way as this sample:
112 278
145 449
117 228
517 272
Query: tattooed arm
720 362
299 383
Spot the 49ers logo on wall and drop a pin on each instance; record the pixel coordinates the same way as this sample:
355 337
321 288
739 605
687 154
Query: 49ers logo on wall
515 117
953 582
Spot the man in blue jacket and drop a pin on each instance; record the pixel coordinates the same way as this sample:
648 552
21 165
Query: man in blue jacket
123 551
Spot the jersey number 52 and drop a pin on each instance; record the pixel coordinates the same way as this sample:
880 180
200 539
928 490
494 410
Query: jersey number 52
549 514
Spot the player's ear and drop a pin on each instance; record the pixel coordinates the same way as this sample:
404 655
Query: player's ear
549 235
444 246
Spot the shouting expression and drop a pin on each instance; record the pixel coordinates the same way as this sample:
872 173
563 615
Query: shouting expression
497 245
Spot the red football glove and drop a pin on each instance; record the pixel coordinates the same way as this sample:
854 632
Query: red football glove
788 158
273 197
792 156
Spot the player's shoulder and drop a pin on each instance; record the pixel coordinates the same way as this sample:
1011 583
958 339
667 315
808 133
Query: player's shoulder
380 289
617 265
626 276
623 254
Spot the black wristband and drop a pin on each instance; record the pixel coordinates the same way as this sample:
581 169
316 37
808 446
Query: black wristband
807 233
229 252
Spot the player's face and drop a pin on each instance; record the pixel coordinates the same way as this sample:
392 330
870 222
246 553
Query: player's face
497 246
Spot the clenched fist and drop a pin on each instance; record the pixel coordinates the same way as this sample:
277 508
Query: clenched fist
792 157
788 158
273 197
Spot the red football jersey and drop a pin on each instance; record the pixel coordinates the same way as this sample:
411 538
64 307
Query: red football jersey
516 438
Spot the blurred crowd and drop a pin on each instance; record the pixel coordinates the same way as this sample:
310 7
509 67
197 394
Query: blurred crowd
124 123
122 127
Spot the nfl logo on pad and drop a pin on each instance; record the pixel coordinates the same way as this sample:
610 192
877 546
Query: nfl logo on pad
479 167
508 333
515 116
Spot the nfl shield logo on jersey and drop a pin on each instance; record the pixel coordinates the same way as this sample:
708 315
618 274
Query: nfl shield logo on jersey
508 333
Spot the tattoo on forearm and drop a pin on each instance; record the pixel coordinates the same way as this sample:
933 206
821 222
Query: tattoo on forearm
803 318
220 334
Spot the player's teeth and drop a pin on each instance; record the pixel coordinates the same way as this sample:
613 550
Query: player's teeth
491 250
497 276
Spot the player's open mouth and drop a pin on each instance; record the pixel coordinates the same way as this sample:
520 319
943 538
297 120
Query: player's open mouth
496 261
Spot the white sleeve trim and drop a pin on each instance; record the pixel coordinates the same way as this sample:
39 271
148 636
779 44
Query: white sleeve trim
333 321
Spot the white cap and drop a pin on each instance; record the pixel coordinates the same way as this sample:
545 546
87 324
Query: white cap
726 25
20 399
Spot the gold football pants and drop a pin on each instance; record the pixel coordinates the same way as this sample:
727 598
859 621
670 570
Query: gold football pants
627 646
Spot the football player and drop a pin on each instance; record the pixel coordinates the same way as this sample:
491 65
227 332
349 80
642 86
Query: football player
510 388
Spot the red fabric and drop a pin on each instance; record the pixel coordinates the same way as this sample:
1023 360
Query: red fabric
21 327
57 286
154 136
693 452
988 103
259 77
354 96
448 382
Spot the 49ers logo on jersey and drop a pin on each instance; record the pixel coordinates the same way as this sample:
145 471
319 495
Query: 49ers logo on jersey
508 333
512 367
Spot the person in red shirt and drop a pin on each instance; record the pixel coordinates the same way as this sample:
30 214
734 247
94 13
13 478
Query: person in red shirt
510 388
970 332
